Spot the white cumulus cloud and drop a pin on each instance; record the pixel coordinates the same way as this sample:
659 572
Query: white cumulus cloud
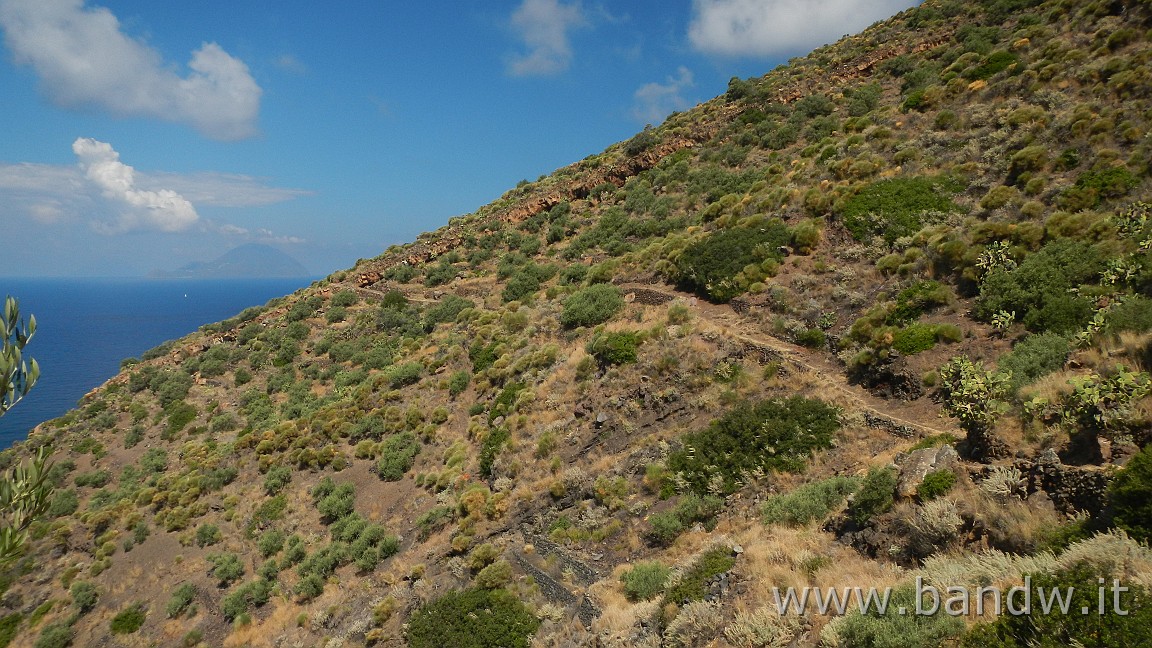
654 101
774 27
543 25
163 210
83 58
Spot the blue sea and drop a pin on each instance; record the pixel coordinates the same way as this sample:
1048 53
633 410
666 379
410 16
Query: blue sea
85 327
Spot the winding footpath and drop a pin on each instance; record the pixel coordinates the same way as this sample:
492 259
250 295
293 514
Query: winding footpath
734 326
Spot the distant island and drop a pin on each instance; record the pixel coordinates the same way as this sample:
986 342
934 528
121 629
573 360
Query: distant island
252 260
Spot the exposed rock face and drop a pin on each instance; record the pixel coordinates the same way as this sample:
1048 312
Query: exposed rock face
1071 488
366 279
914 467
891 378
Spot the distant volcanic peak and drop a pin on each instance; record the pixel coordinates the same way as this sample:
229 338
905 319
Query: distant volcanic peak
251 260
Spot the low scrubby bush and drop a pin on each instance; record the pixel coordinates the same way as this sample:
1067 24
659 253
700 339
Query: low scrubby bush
875 495
1034 357
935 484
615 348
591 306
645 580
666 526
1080 585
129 619
1039 290
472 618
809 502
1131 495
755 438
714 267
895 630
896 207
397 454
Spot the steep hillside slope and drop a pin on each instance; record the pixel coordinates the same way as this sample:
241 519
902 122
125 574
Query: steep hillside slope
882 314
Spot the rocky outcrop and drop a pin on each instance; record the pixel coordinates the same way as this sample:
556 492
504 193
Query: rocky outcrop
916 465
1072 489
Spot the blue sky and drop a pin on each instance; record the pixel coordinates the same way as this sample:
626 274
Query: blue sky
145 135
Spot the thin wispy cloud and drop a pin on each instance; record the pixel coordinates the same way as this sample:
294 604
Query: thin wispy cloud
139 209
290 63
774 27
544 26
266 236
84 59
213 189
655 101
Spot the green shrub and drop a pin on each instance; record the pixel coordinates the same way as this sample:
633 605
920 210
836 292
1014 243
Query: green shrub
1133 314
895 630
332 500
482 356
711 267
494 576
645 580
692 508
9 624
345 298
1131 495
208 534
766 436
813 338
935 484
181 598
526 282
592 305
129 619
304 308
491 447
94 479
445 310
310 586
995 63
271 542
252 594
440 273
1094 186
896 207
917 299
692 585
1080 585
1039 289
63 503
808 503
180 414
472 618
397 454
276 479
916 338
614 348
1034 357
226 567
664 527
875 495
405 374
505 400
458 383
55 635
84 596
